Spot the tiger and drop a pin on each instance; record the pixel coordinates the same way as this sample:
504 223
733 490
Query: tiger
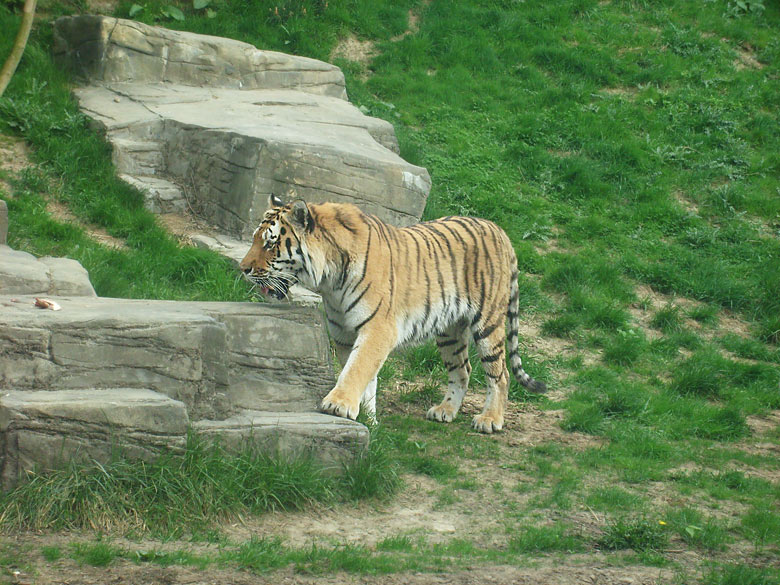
385 287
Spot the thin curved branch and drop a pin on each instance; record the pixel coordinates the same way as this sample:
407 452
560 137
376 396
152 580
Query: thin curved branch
28 12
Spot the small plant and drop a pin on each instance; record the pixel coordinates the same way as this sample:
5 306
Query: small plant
562 326
704 314
740 8
638 534
98 554
625 348
667 319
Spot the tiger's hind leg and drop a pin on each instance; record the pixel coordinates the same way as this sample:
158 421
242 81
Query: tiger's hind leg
454 350
490 346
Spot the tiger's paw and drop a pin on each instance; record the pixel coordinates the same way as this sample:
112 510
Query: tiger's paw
441 413
335 403
485 423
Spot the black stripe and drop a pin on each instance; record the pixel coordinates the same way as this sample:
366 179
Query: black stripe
453 368
357 300
491 358
485 332
367 319
446 342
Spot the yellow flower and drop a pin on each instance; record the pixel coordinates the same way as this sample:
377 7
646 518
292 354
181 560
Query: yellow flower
662 523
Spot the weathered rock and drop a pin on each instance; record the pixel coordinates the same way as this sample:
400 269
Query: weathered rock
216 358
42 430
111 49
22 273
220 150
329 440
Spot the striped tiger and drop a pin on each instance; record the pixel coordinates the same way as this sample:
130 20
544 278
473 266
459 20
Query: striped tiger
384 287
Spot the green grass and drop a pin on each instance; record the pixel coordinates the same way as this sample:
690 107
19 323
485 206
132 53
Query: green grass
623 146
187 492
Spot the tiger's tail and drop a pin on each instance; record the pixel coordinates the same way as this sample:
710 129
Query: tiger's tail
513 318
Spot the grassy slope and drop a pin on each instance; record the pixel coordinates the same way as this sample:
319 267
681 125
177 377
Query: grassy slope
622 145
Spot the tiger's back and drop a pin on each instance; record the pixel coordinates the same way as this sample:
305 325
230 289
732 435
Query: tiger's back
454 279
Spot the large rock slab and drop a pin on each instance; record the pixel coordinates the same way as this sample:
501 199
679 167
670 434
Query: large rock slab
40 431
200 143
100 48
216 358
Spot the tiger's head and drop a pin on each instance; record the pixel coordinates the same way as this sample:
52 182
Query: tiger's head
278 257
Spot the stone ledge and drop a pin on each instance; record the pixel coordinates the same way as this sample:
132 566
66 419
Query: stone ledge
40 431
217 358
113 49
328 439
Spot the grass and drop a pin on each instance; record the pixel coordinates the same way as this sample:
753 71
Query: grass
180 493
630 151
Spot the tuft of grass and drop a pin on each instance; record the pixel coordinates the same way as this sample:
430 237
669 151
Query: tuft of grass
762 525
562 326
741 574
372 473
96 554
697 531
704 314
625 348
668 319
554 538
638 534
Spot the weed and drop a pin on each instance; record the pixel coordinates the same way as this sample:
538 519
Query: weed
695 530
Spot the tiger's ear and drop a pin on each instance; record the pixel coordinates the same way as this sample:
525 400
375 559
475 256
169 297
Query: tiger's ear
274 201
301 217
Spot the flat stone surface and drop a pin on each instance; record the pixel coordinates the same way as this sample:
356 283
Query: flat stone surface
216 358
44 430
329 439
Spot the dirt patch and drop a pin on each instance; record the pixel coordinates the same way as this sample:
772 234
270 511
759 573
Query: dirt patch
353 49
14 158
746 58
184 225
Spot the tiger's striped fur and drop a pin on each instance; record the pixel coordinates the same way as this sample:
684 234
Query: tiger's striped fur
454 279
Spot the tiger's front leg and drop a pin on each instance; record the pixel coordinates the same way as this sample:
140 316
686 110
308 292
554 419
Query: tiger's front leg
369 352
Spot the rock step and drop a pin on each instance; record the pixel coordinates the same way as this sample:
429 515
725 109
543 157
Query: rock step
43 430
216 358
160 196
328 439
40 431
